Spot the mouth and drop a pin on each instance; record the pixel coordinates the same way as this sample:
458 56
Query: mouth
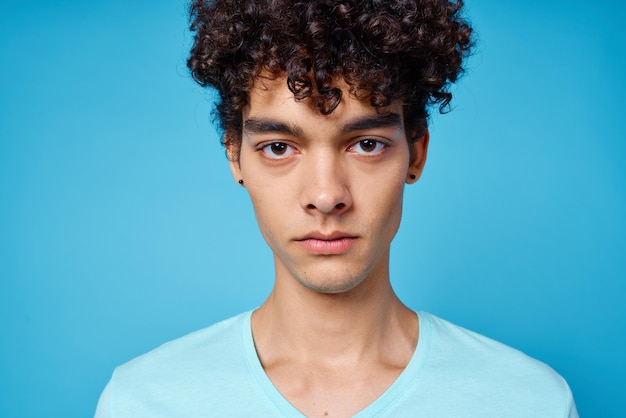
327 244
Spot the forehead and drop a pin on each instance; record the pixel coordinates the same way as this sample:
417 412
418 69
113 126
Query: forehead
271 97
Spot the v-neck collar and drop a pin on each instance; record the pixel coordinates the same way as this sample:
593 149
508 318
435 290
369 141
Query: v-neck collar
386 400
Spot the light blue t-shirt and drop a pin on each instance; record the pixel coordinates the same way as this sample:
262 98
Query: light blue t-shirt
215 372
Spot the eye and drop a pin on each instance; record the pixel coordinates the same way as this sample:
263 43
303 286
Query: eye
277 150
368 146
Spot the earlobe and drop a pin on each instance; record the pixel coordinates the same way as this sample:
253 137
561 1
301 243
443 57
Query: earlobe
419 150
235 169
232 152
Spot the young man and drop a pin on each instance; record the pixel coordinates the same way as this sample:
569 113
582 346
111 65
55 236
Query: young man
324 107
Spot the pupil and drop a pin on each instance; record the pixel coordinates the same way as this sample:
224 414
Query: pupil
278 148
368 145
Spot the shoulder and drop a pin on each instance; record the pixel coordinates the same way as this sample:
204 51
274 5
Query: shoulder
205 373
451 343
470 352
183 371
198 349
481 369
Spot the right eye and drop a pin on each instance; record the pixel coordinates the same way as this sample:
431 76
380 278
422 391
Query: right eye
368 146
277 150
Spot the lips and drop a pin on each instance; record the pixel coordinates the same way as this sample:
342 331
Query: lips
327 244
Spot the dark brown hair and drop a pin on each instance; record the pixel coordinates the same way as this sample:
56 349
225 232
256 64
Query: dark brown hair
383 49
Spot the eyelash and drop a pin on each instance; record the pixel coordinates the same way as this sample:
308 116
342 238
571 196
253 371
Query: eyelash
379 147
267 151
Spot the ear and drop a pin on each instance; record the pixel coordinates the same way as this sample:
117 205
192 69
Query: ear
419 149
232 153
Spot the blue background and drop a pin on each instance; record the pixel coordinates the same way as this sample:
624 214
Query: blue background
121 228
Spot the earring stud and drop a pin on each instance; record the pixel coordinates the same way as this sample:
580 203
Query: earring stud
240 182
412 176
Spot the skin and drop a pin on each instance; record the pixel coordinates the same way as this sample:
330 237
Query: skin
327 193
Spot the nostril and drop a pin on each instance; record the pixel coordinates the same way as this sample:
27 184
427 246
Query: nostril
340 205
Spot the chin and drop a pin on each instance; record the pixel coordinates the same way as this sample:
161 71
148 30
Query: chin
331 286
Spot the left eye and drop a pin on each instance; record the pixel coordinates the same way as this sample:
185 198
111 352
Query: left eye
367 146
277 150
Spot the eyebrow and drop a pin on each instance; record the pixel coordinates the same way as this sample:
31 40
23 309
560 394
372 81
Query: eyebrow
262 126
386 120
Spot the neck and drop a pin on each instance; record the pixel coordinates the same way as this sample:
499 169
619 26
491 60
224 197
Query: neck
304 325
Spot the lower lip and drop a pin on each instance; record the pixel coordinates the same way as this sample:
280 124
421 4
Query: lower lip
327 247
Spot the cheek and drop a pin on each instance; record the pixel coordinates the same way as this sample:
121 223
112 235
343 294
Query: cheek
385 202
393 206
270 212
391 220
264 210
383 187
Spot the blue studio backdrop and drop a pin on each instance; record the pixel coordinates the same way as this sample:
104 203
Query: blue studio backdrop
121 227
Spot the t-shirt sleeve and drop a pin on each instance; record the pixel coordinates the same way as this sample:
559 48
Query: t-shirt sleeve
103 410
572 412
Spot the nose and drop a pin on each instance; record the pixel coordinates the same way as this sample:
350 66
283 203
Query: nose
325 186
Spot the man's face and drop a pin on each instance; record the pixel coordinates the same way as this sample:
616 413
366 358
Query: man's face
326 190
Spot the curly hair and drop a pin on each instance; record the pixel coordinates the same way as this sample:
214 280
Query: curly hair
384 50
